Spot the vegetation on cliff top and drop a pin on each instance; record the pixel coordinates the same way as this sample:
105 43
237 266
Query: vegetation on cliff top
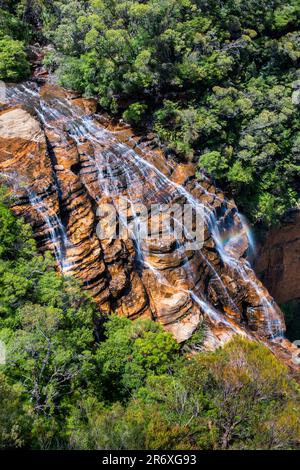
218 81
14 64
132 387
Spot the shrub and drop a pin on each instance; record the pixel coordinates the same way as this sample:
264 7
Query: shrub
14 64
135 113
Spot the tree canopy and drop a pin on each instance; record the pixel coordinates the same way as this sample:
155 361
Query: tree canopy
218 81
136 388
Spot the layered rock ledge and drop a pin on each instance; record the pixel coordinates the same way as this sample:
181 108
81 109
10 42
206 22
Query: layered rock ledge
63 162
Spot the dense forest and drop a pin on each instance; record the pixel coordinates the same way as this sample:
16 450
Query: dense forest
129 385
217 81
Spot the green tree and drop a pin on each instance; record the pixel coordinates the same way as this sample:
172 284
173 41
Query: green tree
47 324
132 352
14 418
135 113
13 60
239 397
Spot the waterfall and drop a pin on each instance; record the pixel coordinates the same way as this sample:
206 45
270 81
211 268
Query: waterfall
124 172
56 232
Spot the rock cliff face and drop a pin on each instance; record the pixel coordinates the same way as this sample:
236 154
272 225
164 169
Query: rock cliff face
67 166
278 259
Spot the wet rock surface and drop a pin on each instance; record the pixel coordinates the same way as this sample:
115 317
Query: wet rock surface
64 164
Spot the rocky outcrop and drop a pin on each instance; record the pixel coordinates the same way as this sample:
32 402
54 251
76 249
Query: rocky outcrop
64 163
278 259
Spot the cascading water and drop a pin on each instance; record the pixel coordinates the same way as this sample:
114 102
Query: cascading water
125 173
57 234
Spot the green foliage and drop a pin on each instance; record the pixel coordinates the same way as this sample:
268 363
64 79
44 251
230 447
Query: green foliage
215 163
46 324
134 113
196 341
239 397
14 34
13 60
252 395
132 352
232 399
49 350
71 73
136 389
217 81
14 419
10 25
